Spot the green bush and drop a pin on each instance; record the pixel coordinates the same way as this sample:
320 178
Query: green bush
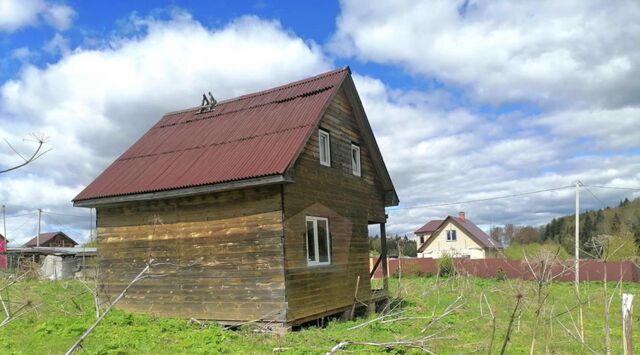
500 274
446 267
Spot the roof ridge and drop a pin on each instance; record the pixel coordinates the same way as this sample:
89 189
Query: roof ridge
206 117
265 91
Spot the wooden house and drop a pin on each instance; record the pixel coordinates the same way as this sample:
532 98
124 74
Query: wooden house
255 208
457 237
51 239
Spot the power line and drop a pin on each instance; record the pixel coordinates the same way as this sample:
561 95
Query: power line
594 196
484 199
21 215
64 214
613 187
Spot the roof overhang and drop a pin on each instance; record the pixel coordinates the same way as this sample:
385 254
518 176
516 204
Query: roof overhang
390 194
183 192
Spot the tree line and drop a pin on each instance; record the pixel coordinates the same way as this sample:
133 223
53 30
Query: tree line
622 222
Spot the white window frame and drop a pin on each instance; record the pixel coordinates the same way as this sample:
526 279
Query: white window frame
357 167
317 261
327 161
452 238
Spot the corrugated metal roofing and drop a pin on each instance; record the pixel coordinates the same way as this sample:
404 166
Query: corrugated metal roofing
251 136
430 227
45 237
466 224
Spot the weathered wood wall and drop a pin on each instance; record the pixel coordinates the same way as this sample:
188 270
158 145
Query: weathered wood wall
350 202
58 241
224 251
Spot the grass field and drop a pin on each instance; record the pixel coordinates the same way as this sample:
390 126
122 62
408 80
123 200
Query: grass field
63 310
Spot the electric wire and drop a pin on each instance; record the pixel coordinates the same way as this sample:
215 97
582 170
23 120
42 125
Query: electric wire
614 187
483 199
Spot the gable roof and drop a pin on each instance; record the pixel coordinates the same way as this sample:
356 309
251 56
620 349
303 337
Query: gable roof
472 230
2 237
251 139
430 227
46 237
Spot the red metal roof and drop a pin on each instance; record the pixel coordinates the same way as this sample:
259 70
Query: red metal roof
478 233
251 136
466 224
430 227
45 237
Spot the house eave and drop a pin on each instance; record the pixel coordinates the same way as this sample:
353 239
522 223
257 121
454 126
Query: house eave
183 192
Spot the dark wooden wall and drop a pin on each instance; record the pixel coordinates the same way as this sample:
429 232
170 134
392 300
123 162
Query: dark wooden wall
350 202
58 241
224 253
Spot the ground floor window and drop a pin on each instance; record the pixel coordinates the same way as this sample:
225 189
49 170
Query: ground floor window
318 241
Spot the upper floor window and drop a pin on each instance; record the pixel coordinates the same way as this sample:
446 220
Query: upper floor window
355 160
325 147
318 241
451 235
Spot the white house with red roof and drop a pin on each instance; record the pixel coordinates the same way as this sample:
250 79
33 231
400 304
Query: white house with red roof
457 237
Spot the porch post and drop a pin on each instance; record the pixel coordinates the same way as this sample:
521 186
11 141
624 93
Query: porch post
383 256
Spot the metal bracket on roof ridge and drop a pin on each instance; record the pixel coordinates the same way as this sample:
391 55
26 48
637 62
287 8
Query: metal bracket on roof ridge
207 103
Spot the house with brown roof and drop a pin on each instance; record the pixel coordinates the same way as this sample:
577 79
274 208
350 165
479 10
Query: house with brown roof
457 237
255 208
51 239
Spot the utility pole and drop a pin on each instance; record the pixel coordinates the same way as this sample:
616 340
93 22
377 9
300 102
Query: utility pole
577 254
577 234
39 219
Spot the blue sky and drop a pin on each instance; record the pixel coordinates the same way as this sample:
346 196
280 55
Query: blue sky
468 99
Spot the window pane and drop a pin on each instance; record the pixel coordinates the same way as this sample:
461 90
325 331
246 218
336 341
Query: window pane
323 150
311 251
354 159
323 246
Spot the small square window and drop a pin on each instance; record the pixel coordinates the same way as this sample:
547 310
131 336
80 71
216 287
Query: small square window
451 235
318 241
324 142
355 160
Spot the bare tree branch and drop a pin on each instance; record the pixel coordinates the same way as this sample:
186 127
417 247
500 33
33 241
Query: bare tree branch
36 154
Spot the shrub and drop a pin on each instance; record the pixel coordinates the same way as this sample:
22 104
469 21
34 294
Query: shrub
446 267
500 274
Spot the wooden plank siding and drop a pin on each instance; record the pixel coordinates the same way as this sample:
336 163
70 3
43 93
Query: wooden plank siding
222 254
350 202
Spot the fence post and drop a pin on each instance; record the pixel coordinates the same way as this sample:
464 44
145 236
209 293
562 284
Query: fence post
627 334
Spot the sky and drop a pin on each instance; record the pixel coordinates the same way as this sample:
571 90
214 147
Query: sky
468 99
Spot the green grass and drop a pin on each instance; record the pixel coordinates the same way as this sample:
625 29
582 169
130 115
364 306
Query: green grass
56 324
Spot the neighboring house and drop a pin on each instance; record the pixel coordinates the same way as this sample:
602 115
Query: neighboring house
457 237
52 239
256 208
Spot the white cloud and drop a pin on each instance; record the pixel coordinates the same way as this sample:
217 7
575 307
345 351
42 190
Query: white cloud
562 53
439 154
59 16
93 103
16 14
608 129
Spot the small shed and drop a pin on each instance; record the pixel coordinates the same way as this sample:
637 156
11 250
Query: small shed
256 208
51 239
